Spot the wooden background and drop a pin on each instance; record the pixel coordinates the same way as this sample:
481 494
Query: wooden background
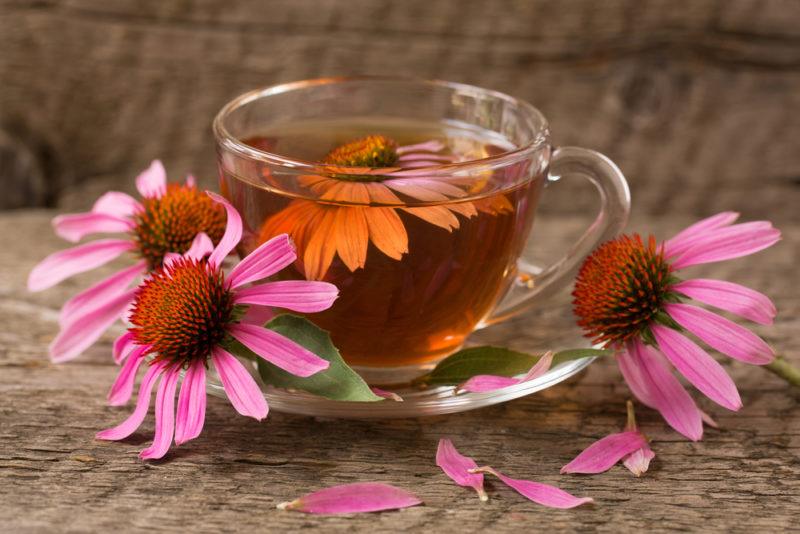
698 101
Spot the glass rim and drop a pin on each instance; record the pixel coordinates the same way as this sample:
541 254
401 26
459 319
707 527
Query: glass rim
228 141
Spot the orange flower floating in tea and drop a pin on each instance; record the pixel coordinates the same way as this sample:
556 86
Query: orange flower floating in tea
362 205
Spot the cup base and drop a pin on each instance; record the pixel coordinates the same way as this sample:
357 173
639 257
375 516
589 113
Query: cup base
394 376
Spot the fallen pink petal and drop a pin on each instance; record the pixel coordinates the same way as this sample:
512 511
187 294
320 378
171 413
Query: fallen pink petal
631 447
543 494
488 383
354 498
459 468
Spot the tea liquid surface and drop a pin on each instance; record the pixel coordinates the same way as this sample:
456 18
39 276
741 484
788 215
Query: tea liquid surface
415 277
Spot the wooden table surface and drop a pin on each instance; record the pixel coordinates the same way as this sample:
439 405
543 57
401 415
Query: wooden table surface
696 100
55 476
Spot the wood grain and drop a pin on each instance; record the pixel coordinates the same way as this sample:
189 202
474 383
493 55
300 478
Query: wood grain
55 476
705 88
696 100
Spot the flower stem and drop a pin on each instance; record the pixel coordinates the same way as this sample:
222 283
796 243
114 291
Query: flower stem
785 370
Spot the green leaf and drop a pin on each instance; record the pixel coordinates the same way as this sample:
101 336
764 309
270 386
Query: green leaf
487 360
337 382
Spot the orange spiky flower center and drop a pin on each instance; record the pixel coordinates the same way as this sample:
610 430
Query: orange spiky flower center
171 222
620 289
373 151
182 310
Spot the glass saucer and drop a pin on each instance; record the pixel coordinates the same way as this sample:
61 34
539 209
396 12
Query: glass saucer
550 328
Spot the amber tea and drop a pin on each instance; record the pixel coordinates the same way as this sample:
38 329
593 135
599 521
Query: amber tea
419 258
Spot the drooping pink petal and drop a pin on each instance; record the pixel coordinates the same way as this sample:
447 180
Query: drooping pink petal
728 243
122 388
722 334
389 395
201 247
123 346
655 385
116 203
165 416
83 331
297 295
269 258
69 262
708 420
278 350
152 182
353 499
601 455
129 426
485 383
457 467
232 235
257 315
698 367
638 461
74 226
191 181
100 293
677 244
191 404
539 493
731 297
427 146
241 389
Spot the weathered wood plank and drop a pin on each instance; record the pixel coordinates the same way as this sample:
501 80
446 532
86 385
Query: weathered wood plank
702 87
54 476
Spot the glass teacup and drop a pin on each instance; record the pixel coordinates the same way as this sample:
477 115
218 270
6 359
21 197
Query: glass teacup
415 198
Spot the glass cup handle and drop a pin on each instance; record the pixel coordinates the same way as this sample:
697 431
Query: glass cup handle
615 204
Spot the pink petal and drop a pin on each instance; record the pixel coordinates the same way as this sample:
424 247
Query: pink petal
638 461
129 426
83 331
170 258
601 455
257 315
677 244
116 203
232 235
65 263
123 346
485 383
297 295
191 404
241 389
441 158
698 367
708 420
75 226
389 395
722 334
457 467
201 247
655 385
278 350
353 499
165 416
728 243
152 182
731 297
191 181
122 388
100 293
427 146
266 260
543 494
